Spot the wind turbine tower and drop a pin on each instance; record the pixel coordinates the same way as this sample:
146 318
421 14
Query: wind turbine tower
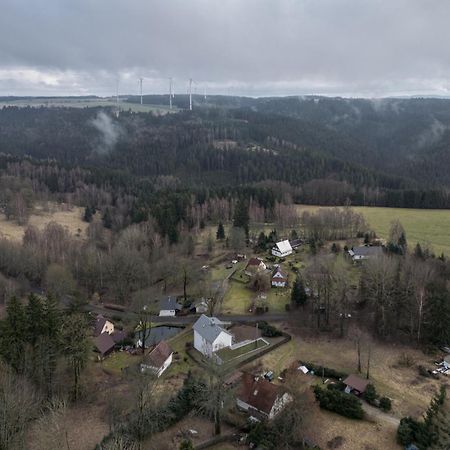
190 94
117 99
140 87
170 92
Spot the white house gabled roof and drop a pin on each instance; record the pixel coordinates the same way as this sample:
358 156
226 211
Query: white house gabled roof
209 328
284 246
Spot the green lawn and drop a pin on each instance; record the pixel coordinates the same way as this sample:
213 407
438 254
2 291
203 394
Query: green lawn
429 226
118 361
227 354
238 298
178 344
421 225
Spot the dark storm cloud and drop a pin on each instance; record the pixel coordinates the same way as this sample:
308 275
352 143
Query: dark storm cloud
253 47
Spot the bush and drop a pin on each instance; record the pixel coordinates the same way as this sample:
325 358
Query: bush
407 430
338 386
339 402
423 371
326 371
385 404
370 395
269 330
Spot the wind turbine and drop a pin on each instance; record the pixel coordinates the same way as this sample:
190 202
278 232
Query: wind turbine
117 98
190 94
140 86
171 94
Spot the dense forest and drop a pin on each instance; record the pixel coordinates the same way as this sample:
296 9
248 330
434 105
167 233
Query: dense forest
326 151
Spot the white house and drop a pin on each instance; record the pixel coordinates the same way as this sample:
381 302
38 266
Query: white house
279 277
260 398
158 360
365 252
209 336
282 249
103 325
169 307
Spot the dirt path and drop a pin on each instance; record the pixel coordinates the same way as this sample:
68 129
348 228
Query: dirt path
377 414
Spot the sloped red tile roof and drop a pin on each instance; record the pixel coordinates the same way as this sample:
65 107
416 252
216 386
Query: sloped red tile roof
259 394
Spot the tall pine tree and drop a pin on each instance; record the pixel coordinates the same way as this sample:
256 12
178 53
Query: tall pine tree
220 234
241 216
298 294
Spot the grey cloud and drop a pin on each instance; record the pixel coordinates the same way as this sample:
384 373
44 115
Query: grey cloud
110 133
432 134
252 47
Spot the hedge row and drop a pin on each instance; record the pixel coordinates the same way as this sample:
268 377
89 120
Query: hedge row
339 402
327 372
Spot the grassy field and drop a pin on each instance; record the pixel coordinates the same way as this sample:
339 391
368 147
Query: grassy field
70 218
428 226
227 354
118 361
87 103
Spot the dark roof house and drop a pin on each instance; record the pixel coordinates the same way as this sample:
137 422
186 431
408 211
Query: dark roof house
355 384
169 307
104 344
158 356
102 325
365 252
257 395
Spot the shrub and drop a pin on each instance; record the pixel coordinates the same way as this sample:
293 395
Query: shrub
370 395
338 385
269 330
339 402
407 430
385 404
186 445
326 371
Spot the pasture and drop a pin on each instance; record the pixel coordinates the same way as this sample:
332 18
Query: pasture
74 102
70 217
427 226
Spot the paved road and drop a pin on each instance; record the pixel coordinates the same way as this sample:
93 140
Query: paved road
378 415
270 317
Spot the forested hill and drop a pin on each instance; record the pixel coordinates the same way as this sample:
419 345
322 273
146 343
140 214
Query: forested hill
386 152
405 137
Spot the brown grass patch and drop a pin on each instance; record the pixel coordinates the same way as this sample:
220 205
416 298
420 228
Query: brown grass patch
70 217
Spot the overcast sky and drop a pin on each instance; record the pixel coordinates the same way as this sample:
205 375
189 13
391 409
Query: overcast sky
366 48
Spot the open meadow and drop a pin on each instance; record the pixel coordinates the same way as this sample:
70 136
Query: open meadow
74 102
70 217
427 226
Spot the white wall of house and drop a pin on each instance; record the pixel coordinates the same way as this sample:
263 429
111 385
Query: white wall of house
167 313
276 252
108 327
158 370
207 348
278 281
